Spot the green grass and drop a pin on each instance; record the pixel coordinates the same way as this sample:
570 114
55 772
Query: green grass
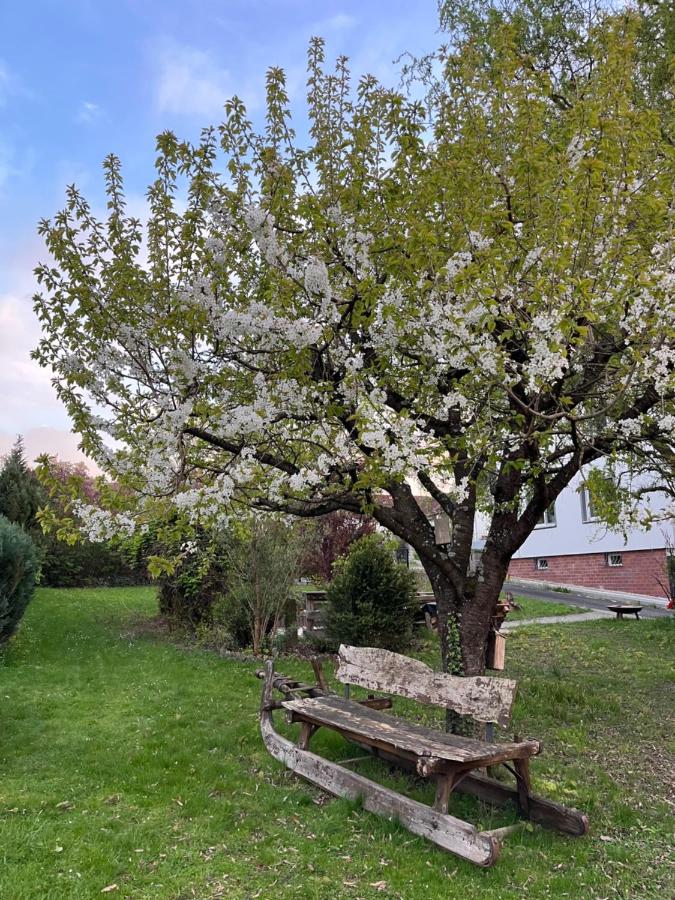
126 760
531 608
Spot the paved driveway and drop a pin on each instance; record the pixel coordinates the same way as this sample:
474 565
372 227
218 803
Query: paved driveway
595 603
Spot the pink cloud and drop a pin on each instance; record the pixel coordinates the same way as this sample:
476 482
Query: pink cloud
54 441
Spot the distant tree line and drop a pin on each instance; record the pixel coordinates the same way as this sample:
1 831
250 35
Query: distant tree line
61 564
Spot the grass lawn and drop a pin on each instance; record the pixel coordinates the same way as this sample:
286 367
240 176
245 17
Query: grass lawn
127 761
531 608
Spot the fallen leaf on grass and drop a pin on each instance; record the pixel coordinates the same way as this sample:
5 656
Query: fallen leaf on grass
108 888
65 804
379 885
606 837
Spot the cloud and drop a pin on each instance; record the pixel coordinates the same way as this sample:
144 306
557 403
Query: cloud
5 83
28 397
54 441
27 394
339 22
88 112
6 167
190 82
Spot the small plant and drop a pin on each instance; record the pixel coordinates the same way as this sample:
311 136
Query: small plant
668 585
371 601
18 569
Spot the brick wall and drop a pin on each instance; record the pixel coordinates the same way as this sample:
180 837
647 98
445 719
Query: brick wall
637 575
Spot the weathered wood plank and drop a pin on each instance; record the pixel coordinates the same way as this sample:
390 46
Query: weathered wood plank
543 812
485 699
501 833
319 674
382 730
375 702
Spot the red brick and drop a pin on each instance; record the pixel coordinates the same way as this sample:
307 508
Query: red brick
639 574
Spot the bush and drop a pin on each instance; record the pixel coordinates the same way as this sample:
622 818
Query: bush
240 583
21 494
18 568
85 564
188 595
229 616
371 601
264 566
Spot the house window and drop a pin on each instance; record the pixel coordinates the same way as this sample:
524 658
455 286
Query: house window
548 518
588 513
541 564
614 559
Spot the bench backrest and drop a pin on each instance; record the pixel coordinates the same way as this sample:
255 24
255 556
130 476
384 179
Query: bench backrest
483 698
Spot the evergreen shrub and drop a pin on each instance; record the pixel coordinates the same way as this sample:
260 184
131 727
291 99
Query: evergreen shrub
18 570
371 601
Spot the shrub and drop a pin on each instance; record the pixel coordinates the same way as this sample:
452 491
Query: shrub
18 568
230 617
188 595
86 564
371 601
263 569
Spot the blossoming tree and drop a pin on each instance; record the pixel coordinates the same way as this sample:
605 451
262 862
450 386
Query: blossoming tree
475 292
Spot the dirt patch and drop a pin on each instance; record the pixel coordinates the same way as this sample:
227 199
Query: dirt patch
148 627
161 628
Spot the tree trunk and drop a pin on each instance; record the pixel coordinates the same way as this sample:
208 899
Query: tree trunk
477 614
258 632
465 611
448 607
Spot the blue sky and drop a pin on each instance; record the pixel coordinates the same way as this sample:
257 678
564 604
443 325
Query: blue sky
82 78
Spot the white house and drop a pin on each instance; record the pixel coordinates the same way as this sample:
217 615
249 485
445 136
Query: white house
570 546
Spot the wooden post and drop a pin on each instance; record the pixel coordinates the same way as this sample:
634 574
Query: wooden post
496 654
319 674
266 698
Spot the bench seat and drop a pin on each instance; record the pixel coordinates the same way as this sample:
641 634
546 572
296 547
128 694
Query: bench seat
404 738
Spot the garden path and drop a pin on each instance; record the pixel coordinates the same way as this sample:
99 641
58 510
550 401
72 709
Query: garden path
555 620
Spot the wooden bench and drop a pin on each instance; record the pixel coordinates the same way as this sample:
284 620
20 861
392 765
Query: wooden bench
451 760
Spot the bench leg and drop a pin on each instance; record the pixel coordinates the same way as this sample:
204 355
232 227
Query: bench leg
444 785
306 732
522 767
